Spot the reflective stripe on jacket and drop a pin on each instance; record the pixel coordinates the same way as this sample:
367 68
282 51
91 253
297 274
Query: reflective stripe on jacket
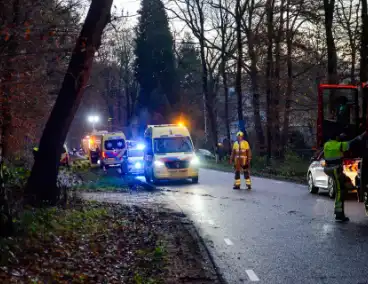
241 153
334 151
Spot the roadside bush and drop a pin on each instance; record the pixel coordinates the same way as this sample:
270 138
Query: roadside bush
15 176
292 167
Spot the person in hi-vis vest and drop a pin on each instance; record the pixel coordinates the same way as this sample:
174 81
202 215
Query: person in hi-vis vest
333 151
241 156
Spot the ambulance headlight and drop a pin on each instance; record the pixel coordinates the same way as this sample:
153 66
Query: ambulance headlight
159 164
195 161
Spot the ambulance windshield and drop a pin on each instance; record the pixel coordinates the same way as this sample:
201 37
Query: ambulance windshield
165 145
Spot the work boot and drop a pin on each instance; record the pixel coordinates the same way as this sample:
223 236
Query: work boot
341 218
236 187
249 187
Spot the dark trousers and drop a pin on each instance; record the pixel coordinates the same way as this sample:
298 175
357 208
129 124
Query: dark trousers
336 173
245 170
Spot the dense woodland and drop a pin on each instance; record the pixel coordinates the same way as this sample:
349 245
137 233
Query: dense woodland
246 64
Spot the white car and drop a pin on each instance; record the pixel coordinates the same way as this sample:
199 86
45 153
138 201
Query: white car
318 180
205 154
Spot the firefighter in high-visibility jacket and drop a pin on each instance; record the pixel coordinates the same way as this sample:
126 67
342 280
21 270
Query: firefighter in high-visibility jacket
333 151
241 156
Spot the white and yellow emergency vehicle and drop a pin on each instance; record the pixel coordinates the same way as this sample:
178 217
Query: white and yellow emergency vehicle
92 146
169 154
113 148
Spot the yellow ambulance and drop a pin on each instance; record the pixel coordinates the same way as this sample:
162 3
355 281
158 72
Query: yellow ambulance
169 154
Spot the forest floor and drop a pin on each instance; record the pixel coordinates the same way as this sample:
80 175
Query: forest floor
92 241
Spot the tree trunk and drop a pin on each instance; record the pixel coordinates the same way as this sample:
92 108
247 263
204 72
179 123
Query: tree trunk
211 111
226 94
120 96
269 6
7 90
256 106
276 139
238 79
6 219
364 55
289 88
254 81
223 72
128 106
41 185
208 96
329 8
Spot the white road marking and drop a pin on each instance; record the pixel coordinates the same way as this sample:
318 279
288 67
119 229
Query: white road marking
279 182
228 242
252 276
211 222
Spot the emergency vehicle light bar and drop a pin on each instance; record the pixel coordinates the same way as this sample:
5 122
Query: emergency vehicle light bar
163 125
337 86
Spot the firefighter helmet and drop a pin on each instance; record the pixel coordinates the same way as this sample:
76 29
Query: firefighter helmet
240 133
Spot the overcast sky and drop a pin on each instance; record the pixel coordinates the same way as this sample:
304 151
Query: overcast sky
132 6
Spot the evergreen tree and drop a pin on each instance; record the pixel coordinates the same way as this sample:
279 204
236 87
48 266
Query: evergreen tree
189 73
155 61
189 65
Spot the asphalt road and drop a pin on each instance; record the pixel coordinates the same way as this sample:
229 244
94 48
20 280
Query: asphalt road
276 233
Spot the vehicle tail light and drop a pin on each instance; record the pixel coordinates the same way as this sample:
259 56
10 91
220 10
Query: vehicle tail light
348 162
103 154
351 165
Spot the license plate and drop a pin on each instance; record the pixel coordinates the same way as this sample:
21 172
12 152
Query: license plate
179 171
110 159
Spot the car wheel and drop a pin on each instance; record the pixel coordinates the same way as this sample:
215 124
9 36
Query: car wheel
312 189
153 178
146 176
331 188
195 180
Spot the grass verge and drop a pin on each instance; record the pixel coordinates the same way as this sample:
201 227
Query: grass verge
94 242
292 169
95 180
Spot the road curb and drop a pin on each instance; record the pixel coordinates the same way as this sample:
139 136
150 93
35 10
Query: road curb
146 185
192 229
196 235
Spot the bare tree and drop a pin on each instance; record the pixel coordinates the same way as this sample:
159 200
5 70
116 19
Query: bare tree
240 9
329 9
251 26
270 5
193 13
364 55
223 21
126 82
348 29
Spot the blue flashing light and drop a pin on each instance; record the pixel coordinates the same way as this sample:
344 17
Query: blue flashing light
140 146
138 165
